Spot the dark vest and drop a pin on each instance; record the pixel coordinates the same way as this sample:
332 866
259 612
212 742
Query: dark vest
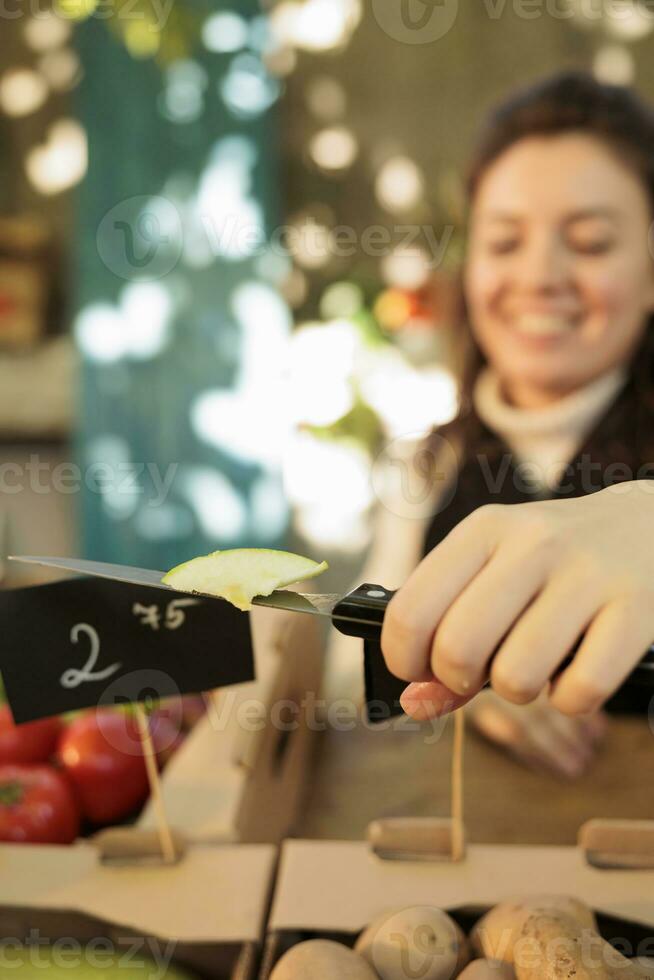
614 452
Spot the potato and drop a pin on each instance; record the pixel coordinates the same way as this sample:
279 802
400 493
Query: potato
495 933
554 946
321 959
419 941
487 970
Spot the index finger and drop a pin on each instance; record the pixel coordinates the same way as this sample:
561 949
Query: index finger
414 612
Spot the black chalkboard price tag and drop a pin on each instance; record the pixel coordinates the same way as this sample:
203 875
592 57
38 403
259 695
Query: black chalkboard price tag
85 643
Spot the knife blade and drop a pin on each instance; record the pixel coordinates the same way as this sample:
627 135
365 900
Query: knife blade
358 613
365 614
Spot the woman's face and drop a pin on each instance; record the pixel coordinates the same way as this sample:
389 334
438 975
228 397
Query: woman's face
559 277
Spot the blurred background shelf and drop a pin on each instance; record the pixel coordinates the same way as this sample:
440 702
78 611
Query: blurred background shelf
37 393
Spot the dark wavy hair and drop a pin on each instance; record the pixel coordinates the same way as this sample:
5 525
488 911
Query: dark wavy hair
567 101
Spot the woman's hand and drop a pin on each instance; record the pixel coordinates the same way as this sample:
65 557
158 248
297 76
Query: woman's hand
537 734
510 591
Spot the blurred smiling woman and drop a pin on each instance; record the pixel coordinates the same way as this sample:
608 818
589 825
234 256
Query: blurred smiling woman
559 279
557 390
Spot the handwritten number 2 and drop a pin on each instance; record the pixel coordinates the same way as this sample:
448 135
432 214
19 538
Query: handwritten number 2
72 677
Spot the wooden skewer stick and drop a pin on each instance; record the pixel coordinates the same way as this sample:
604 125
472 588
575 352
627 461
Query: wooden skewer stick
163 827
458 843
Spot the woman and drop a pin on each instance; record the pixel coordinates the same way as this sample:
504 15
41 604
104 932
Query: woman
557 403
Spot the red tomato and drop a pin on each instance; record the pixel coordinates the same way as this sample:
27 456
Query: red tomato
101 753
34 741
37 806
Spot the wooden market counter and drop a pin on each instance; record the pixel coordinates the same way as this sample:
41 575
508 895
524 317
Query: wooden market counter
361 775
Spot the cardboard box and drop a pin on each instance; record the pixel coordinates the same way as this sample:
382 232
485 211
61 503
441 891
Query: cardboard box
241 772
334 889
208 910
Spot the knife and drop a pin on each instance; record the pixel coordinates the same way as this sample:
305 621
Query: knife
357 613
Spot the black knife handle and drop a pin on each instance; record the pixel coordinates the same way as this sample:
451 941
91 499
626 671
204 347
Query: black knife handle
368 602
361 612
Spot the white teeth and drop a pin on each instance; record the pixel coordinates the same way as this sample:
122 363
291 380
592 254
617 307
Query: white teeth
543 325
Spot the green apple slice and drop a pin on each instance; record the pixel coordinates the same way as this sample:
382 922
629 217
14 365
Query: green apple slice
242 573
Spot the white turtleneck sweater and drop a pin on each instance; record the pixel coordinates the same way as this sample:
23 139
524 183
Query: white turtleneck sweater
547 438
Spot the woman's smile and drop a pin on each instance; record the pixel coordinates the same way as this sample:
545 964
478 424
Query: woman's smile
542 326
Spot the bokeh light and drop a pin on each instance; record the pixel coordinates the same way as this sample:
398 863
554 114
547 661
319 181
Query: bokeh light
47 31
407 267
614 64
225 32
215 501
119 487
241 423
138 328
76 9
326 98
399 184
61 161
341 299
250 421
22 91
224 218
147 311
393 308
182 100
328 482
265 322
316 25
319 470
335 148
61 69
628 21
320 366
295 287
420 399
248 89
311 243
327 528
141 38
99 333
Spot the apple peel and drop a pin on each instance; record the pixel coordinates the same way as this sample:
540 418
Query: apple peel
240 574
